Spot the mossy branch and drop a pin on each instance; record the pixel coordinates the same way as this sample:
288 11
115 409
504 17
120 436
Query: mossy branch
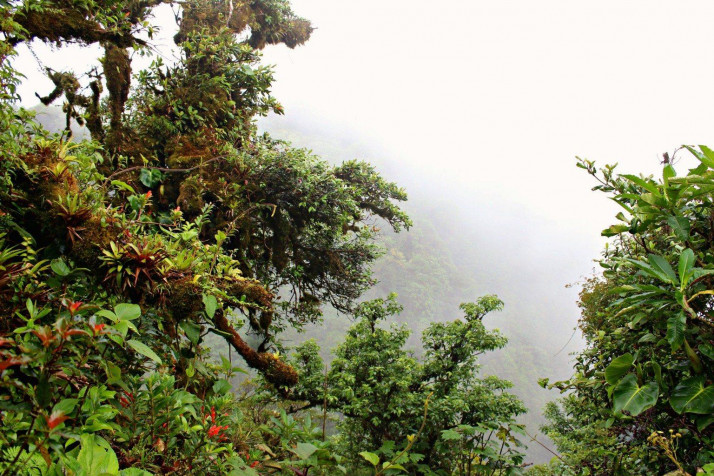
273 369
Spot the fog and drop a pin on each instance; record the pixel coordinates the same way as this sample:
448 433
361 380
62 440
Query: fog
478 109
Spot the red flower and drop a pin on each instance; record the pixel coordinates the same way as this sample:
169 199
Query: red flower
215 430
97 328
254 464
55 419
147 195
213 414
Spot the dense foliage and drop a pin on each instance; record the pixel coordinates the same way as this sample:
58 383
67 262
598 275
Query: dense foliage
468 424
643 392
119 256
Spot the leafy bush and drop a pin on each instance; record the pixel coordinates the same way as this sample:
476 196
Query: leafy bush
643 385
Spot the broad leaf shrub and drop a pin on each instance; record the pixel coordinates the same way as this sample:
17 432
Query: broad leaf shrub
643 392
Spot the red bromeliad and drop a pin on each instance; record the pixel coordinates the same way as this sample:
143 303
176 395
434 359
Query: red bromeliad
73 306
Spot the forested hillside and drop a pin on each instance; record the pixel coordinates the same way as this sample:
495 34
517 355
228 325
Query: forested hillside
449 256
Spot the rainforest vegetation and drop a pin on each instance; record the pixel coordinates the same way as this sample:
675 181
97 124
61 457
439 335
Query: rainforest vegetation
151 271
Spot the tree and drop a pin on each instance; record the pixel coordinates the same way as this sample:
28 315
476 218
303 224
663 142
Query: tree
432 416
644 381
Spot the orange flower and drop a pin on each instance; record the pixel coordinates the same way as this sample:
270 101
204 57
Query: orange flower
147 195
97 328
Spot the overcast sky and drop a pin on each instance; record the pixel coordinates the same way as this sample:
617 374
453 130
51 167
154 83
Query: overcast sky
496 98
492 100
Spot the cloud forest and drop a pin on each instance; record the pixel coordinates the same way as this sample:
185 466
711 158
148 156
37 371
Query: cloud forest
183 293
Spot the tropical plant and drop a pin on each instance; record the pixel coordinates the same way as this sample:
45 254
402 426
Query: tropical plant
647 368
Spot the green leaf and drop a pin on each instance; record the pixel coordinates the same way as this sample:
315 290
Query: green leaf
704 421
221 387
144 350
647 338
707 350
629 396
150 177
647 185
615 230
60 267
210 305
618 367
447 435
708 153
304 450
662 265
65 406
675 330
680 226
43 392
124 185
108 314
96 456
668 172
192 330
691 396
122 327
657 368
134 472
371 457
127 312
388 465
686 263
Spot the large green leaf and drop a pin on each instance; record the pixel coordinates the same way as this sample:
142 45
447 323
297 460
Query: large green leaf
691 396
96 456
143 349
675 330
371 457
618 367
210 304
127 312
662 265
646 184
680 226
630 397
686 263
